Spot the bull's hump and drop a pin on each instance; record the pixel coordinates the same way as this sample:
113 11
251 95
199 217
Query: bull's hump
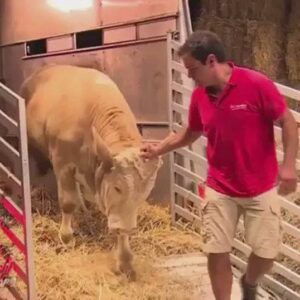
102 79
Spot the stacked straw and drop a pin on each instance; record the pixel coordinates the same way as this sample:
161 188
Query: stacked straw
253 32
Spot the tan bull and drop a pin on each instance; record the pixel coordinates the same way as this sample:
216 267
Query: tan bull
80 120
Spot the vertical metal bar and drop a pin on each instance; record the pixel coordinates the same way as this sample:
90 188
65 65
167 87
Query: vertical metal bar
74 40
170 101
187 16
27 200
25 49
189 31
2 80
137 31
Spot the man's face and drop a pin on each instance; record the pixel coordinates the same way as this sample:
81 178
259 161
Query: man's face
201 73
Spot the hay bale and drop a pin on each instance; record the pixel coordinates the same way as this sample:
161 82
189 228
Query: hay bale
253 31
254 44
263 48
239 9
230 31
209 7
294 16
293 55
234 9
231 9
223 10
273 11
293 44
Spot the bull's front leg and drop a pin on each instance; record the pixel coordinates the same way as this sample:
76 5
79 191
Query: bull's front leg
125 257
68 200
66 231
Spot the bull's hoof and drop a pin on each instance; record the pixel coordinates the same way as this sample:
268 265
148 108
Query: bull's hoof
66 238
131 275
129 272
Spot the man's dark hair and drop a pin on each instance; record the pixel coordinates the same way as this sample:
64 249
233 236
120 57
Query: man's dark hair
201 43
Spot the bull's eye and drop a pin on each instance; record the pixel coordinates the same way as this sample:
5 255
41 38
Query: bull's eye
117 189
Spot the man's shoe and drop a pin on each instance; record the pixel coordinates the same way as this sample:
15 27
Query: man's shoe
248 291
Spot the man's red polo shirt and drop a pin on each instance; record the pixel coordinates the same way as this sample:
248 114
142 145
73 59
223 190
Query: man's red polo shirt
239 129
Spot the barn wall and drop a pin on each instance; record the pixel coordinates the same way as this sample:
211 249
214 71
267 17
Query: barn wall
12 66
34 19
139 70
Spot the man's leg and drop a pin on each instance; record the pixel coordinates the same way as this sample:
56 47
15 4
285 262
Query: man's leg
257 267
263 233
220 217
220 274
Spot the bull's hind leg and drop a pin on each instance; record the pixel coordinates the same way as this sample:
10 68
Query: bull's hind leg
125 256
68 201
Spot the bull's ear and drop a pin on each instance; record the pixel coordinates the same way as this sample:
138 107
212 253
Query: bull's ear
101 150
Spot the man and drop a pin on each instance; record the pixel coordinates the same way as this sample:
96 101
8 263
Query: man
236 109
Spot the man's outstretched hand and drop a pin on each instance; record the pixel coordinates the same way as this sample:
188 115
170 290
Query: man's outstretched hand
149 150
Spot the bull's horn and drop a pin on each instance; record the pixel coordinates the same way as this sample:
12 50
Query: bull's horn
101 150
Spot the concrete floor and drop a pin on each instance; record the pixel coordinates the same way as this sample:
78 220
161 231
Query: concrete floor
193 268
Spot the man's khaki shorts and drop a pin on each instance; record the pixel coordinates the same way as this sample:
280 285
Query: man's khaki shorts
262 223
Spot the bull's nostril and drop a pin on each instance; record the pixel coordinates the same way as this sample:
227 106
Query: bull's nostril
117 189
114 231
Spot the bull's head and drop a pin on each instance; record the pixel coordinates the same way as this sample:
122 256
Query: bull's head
122 182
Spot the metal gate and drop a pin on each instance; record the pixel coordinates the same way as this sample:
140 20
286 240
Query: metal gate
16 251
188 173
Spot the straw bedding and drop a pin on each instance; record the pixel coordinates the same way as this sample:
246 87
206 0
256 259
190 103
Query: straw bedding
86 270
88 267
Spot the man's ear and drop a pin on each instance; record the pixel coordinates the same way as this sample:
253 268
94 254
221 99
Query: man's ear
211 60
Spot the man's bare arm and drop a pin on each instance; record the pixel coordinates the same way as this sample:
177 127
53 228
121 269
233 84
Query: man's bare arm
290 140
178 140
171 142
